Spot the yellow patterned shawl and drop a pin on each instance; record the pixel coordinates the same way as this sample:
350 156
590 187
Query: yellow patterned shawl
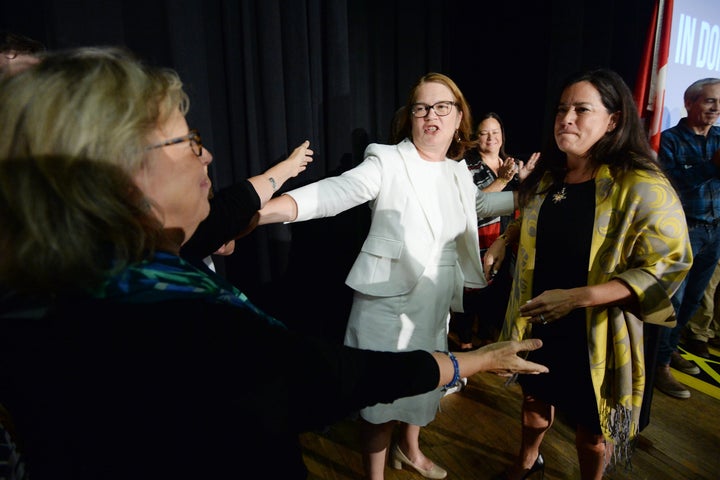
639 236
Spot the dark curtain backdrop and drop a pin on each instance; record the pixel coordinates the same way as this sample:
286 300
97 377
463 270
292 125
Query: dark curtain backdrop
264 75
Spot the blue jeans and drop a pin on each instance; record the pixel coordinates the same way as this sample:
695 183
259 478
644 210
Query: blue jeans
705 243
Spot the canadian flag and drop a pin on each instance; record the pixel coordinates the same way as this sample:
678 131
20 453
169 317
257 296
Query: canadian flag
650 84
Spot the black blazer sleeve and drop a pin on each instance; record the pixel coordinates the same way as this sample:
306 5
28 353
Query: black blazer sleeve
231 211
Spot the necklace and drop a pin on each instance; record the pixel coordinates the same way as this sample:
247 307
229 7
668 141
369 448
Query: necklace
559 196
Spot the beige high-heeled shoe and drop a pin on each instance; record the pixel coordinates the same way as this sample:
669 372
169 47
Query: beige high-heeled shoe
399 458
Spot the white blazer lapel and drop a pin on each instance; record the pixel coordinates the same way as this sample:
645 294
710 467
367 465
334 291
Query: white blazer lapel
409 153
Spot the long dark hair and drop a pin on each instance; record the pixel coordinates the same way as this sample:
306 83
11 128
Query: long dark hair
624 148
502 153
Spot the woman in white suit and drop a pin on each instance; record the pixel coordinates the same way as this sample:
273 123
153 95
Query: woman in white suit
421 250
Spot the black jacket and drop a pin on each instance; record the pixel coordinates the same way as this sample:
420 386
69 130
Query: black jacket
231 211
180 389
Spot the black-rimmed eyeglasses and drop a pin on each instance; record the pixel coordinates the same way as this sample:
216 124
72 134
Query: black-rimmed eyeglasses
420 110
193 137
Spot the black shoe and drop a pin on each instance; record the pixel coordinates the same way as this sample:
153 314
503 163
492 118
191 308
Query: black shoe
539 465
697 348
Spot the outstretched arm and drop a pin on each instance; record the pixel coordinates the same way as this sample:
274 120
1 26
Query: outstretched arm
500 357
494 204
277 210
234 209
270 181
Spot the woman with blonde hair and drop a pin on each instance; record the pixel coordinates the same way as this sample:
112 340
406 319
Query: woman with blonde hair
120 359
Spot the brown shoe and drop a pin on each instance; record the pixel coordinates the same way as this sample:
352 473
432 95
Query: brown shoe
680 364
666 383
696 347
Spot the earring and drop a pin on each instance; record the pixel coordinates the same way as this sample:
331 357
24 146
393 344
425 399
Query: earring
457 134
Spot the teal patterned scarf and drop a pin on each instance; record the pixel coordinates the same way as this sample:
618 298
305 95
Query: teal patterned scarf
167 277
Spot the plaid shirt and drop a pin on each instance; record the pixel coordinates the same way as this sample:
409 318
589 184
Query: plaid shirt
686 159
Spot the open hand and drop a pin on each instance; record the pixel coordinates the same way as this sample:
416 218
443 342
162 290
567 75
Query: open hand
299 159
549 306
524 168
502 357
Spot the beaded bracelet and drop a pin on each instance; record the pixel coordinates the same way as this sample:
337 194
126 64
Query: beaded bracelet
456 375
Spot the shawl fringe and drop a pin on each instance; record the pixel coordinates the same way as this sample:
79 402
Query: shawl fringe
622 431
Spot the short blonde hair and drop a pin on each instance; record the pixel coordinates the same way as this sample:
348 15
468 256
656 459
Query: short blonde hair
66 223
95 103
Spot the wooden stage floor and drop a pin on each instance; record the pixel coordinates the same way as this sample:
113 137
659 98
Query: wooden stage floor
477 432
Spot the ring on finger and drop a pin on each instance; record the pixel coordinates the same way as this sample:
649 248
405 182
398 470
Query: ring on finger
542 319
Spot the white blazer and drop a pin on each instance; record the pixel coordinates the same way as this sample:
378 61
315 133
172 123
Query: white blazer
401 237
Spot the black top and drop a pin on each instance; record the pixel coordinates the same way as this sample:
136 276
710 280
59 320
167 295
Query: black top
231 210
564 236
181 389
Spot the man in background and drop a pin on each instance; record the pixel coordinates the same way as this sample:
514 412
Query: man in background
690 155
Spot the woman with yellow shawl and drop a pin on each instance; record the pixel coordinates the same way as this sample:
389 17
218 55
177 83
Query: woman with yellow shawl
602 246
